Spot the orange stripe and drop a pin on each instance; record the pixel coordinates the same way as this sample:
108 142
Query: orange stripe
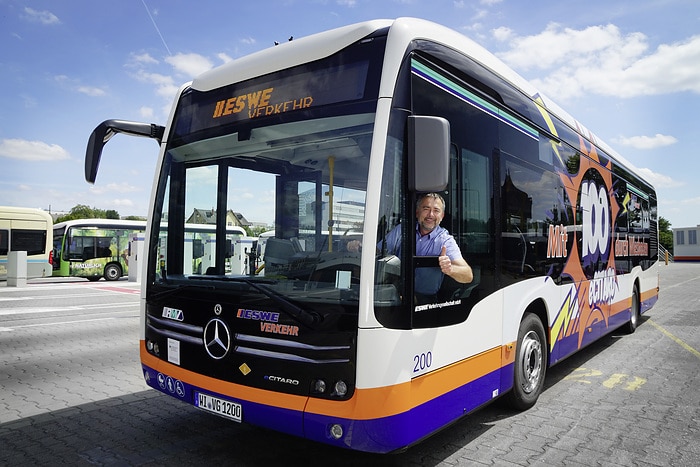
625 304
366 403
649 294
261 396
391 400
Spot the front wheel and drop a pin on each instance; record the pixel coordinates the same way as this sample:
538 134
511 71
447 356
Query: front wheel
112 272
530 364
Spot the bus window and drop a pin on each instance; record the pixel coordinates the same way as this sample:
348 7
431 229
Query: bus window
4 243
31 241
530 199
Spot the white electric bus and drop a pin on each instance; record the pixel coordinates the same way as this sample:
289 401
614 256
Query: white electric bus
337 346
26 229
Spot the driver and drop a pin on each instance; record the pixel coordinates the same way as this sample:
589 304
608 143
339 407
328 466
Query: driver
431 240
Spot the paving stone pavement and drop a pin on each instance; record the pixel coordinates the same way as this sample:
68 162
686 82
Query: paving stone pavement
627 400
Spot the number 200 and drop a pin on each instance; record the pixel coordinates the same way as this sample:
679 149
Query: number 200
422 361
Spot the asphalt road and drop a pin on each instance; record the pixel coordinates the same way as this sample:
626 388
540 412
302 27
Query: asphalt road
71 392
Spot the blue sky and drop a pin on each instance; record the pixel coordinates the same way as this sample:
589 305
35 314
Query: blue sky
628 70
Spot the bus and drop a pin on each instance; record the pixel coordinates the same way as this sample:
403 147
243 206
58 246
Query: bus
26 229
334 345
94 248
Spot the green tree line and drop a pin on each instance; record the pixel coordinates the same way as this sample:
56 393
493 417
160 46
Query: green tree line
83 211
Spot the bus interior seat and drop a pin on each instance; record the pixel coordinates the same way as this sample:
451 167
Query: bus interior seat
279 251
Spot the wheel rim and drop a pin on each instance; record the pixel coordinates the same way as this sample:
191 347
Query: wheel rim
111 272
531 362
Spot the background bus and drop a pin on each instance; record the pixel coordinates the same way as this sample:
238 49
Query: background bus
94 248
26 229
199 248
338 134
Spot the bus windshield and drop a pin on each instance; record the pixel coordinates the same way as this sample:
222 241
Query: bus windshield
290 157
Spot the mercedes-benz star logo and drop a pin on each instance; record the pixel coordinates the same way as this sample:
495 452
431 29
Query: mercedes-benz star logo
217 339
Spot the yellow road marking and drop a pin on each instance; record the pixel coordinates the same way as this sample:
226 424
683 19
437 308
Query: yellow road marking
675 339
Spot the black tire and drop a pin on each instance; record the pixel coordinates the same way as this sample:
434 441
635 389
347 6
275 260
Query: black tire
530 364
112 272
93 278
635 310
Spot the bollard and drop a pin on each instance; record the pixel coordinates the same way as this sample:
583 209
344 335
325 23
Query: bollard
17 269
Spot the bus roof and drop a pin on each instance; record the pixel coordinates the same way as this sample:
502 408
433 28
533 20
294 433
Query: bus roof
100 223
16 213
401 32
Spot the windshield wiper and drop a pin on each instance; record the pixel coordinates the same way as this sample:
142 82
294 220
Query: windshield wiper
177 288
308 318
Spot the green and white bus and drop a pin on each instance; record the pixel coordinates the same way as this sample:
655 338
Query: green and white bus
94 248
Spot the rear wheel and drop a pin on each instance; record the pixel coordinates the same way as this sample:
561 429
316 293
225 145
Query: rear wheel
112 272
530 364
634 311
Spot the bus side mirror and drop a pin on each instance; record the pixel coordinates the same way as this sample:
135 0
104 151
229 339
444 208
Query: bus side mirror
428 153
104 132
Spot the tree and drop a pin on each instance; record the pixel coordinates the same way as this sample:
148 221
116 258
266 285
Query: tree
83 211
665 234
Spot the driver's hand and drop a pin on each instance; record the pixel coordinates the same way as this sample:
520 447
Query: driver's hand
444 262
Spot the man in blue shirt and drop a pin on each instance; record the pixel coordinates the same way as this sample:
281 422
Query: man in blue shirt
431 240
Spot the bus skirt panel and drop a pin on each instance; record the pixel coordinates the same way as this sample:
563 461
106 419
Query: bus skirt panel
395 432
381 435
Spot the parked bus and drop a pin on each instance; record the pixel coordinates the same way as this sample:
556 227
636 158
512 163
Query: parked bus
94 248
26 229
335 346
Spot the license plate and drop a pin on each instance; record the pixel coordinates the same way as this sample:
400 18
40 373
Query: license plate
227 409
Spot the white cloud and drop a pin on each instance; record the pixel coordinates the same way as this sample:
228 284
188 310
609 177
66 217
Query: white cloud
659 180
43 17
224 57
189 64
248 41
146 112
143 59
91 91
165 85
74 85
32 150
123 187
122 203
602 60
646 142
502 34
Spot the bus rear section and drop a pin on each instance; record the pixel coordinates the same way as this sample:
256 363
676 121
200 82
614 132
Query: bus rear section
28 230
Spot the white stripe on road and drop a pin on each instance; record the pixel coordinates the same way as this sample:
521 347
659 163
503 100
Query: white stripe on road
56 324
53 309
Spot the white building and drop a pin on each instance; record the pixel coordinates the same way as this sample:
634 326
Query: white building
685 244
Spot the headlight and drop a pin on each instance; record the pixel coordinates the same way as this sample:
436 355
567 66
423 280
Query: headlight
340 388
